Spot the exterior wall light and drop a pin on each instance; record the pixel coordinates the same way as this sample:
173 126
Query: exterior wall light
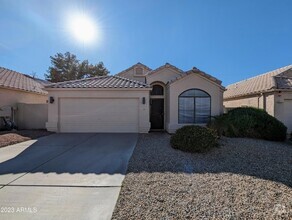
52 99
143 100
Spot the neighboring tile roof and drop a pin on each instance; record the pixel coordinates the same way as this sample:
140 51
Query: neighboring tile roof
135 65
15 80
166 65
101 82
201 73
275 79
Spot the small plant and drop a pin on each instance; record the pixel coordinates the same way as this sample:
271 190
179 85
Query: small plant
193 139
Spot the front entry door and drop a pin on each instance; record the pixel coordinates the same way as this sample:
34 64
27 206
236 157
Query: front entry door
157 114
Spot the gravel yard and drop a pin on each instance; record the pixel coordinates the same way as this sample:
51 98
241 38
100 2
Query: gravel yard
14 137
242 179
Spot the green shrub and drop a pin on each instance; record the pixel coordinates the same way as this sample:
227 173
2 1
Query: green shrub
249 122
193 139
221 126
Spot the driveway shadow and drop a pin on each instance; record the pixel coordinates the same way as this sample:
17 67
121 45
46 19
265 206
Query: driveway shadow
71 154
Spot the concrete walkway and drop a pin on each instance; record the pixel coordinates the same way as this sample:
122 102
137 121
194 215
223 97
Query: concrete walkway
64 176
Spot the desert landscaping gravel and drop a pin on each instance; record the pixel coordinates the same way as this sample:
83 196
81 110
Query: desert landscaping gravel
242 179
13 137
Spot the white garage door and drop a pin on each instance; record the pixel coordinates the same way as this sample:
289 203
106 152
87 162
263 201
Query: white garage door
288 114
98 115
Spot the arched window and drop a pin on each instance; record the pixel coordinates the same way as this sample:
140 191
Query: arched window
157 90
194 107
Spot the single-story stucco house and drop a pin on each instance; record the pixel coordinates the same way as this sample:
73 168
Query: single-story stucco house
136 100
17 88
271 91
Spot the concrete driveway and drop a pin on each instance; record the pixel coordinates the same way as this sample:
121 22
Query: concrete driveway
64 176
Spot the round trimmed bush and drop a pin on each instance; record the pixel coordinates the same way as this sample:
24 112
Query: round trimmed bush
249 122
193 138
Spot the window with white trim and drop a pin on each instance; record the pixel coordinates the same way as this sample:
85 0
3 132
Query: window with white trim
194 107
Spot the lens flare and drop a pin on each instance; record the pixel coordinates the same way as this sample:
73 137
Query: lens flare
83 28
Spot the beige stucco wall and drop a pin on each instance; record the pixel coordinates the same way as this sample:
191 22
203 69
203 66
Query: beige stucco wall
173 90
283 108
269 106
130 74
32 116
250 101
9 97
164 75
192 81
263 101
143 109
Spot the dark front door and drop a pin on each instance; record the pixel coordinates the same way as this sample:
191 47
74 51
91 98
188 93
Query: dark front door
157 114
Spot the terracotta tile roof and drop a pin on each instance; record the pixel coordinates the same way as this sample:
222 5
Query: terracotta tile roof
166 65
15 80
150 71
135 65
201 73
276 79
114 82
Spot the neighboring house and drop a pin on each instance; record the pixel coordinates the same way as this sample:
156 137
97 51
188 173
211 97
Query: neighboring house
271 91
18 88
136 100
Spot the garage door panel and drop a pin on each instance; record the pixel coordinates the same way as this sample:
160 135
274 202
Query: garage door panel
129 128
98 115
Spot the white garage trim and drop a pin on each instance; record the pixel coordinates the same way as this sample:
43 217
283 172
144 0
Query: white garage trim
99 104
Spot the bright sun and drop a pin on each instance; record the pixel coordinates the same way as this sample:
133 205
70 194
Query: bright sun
83 28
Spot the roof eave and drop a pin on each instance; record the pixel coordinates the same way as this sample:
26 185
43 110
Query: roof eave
137 64
203 75
255 93
98 89
23 90
167 65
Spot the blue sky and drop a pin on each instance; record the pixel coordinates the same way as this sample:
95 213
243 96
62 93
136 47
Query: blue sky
231 40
